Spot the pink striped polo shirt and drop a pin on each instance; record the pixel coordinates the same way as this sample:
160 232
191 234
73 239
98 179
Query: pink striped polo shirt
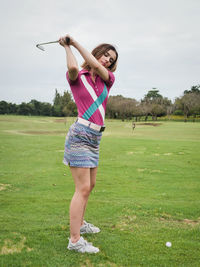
85 92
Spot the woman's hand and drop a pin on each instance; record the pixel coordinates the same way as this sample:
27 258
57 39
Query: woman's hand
62 40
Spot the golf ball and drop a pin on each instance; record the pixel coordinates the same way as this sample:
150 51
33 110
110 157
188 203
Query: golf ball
168 244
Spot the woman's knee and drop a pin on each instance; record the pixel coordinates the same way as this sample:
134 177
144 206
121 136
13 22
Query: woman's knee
85 191
92 185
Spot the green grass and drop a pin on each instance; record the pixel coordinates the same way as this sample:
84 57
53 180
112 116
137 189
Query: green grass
147 193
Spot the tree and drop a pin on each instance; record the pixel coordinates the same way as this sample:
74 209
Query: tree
57 105
4 107
189 104
121 107
12 108
194 89
46 109
35 107
57 99
145 108
152 95
64 105
68 105
155 104
70 109
24 109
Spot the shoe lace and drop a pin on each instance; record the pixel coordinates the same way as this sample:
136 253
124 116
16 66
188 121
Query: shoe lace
89 226
86 223
87 243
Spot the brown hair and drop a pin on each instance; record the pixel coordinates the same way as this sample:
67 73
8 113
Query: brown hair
98 52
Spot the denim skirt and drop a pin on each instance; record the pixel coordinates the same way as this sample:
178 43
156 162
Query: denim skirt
82 146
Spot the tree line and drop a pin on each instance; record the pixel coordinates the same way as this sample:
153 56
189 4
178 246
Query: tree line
63 105
153 104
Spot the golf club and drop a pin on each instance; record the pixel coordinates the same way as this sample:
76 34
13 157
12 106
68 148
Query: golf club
40 46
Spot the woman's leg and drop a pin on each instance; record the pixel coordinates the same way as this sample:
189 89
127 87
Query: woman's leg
77 207
93 174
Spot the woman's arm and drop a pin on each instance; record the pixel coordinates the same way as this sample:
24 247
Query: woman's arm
72 64
90 59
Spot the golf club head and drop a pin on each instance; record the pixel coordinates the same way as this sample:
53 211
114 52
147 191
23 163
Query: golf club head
40 47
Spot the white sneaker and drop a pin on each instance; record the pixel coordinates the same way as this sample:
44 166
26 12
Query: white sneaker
88 228
82 246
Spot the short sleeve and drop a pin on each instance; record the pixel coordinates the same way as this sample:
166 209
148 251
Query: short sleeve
111 79
70 81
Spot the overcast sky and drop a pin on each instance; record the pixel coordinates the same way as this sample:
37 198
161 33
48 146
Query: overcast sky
158 44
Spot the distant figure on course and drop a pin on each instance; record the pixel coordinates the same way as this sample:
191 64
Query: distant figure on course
133 125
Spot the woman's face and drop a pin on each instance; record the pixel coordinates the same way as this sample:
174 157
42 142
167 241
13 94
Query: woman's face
107 58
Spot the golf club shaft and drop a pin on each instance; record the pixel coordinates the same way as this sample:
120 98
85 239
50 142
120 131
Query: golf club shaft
49 43
53 42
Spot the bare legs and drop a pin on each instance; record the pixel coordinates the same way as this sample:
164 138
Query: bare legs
85 179
93 173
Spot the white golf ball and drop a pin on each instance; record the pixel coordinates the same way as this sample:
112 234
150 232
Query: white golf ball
168 244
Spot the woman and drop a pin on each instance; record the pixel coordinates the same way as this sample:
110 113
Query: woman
90 88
